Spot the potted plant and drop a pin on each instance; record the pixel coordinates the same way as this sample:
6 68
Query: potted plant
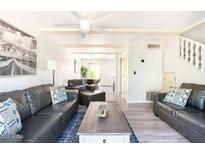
84 72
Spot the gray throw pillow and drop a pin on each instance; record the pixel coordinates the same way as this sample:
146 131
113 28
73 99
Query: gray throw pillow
58 94
181 97
170 95
178 96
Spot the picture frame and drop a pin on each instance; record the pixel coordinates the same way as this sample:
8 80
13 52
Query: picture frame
18 51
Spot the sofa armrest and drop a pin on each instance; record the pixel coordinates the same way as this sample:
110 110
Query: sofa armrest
160 96
11 139
157 97
70 88
72 94
79 88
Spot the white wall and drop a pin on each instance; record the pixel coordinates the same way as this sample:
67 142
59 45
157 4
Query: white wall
148 74
172 63
47 49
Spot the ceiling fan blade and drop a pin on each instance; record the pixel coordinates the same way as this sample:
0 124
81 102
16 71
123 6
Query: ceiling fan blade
66 25
99 29
99 17
76 15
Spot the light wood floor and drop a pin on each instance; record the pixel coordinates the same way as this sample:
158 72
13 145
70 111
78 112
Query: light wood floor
147 127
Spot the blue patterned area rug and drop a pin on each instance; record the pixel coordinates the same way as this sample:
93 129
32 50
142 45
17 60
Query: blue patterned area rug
69 135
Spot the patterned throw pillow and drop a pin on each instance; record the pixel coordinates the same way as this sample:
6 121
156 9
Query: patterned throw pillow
10 121
178 96
58 94
181 97
170 95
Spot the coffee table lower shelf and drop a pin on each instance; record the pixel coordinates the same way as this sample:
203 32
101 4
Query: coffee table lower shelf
104 138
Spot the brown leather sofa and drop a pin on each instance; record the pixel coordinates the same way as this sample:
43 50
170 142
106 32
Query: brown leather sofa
41 121
188 121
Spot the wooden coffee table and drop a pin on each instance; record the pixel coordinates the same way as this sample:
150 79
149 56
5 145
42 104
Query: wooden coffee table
112 129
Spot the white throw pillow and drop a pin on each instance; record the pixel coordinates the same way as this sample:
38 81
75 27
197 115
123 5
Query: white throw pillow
58 94
170 95
181 97
178 96
10 121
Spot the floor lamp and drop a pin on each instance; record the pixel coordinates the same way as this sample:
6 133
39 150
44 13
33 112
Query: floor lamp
51 65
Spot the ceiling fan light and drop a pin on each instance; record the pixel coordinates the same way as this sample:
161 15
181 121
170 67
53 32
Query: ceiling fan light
84 14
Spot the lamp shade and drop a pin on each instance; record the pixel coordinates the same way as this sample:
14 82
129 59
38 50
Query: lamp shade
51 65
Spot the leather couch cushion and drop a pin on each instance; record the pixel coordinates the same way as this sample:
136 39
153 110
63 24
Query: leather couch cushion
61 108
91 81
40 128
81 87
38 97
20 100
192 117
75 82
197 96
189 85
87 96
169 108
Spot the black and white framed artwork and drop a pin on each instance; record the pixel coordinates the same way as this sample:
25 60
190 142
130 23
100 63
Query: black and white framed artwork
18 51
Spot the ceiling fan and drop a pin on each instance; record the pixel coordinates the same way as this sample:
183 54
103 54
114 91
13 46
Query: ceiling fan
85 23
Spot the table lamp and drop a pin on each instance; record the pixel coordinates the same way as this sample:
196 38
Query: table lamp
51 65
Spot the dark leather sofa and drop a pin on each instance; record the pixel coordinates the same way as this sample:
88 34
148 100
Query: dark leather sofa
86 88
188 121
42 121
78 84
92 84
83 84
88 96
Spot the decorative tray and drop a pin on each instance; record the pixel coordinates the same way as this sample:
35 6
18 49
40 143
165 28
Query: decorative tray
102 110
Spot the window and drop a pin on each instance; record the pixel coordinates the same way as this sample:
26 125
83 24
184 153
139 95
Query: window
94 71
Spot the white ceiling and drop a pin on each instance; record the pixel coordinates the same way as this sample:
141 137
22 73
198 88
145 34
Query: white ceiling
196 33
119 20
122 26
151 20
95 56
